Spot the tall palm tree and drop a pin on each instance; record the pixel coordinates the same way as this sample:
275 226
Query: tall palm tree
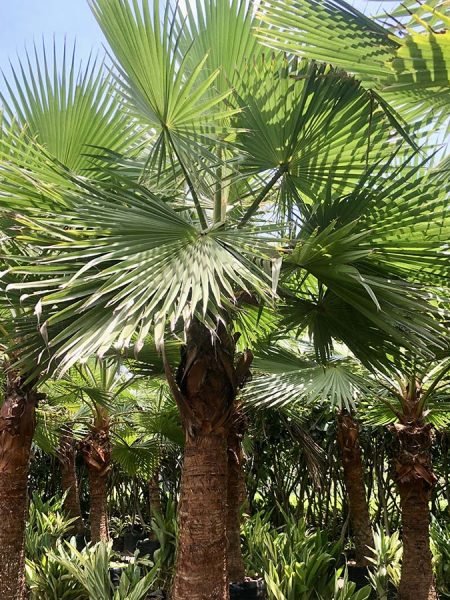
87 117
121 254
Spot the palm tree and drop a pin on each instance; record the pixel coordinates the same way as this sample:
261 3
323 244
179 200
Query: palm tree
67 453
121 254
87 116
414 399
100 386
17 423
352 463
289 376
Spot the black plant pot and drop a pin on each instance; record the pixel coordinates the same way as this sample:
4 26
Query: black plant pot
158 595
130 540
251 589
80 541
115 575
359 575
118 544
147 547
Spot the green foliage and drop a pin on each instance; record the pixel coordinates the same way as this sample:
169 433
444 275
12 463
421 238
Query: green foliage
386 560
90 568
47 523
343 589
56 570
165 527
46 577
440 546
297 563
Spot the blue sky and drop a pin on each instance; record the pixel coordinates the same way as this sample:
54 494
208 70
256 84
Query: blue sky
25 21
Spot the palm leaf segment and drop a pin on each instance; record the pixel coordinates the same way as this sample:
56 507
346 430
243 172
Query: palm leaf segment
73 112
286 374
354 261
408 70
309 124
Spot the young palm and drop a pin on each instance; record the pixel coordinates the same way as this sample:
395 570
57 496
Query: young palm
414 399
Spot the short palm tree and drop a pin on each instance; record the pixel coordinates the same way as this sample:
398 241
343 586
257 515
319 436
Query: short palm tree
414 398
289 376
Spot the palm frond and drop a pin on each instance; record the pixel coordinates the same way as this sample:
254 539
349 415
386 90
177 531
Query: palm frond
72 111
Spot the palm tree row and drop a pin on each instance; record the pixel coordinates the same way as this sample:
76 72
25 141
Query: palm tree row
187 182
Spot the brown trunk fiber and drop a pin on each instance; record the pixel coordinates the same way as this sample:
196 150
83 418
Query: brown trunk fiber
17 425
98 506
207 383
154 495
348 441
201 558
96 450
235 499
69 482
415 480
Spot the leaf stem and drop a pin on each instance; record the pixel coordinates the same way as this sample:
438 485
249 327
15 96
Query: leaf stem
267 188
198 208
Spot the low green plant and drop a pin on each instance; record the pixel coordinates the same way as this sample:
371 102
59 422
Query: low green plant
440 547
56 570
386 560
90 568
47 579
296 563
343 589
165 527
47 523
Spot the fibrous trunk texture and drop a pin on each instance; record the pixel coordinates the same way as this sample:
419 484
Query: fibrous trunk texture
96 449
201 557
235 498
67 458
17 425
207 383
348 441
154 495
415 479
98 506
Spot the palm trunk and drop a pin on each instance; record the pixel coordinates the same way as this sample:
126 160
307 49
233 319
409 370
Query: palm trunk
154 495
98 505
69 482
208 381
201 557
348 441
96 450
415 479
235 499
17 425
